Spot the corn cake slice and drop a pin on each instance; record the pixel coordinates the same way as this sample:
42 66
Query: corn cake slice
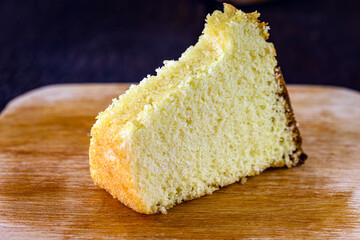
217 115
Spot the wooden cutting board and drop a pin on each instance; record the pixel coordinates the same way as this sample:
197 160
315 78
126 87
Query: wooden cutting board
46 190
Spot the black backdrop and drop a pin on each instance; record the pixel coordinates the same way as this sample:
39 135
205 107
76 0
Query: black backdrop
47 42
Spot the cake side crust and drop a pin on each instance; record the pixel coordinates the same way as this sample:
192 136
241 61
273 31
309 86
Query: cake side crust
298 157
110 168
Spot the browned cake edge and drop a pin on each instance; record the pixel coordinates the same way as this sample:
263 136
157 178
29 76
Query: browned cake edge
298 157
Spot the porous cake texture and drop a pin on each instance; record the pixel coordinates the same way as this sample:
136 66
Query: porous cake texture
217 115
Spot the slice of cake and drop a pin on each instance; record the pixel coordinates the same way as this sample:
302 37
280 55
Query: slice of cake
217 115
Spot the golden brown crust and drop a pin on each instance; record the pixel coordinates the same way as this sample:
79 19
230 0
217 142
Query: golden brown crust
298 156
229 9
110 168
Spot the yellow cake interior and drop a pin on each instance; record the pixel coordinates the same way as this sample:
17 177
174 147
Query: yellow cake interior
209 119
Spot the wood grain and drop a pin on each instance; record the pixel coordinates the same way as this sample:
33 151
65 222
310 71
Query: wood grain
46 190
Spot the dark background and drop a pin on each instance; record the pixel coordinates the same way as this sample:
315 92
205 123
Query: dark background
47 42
